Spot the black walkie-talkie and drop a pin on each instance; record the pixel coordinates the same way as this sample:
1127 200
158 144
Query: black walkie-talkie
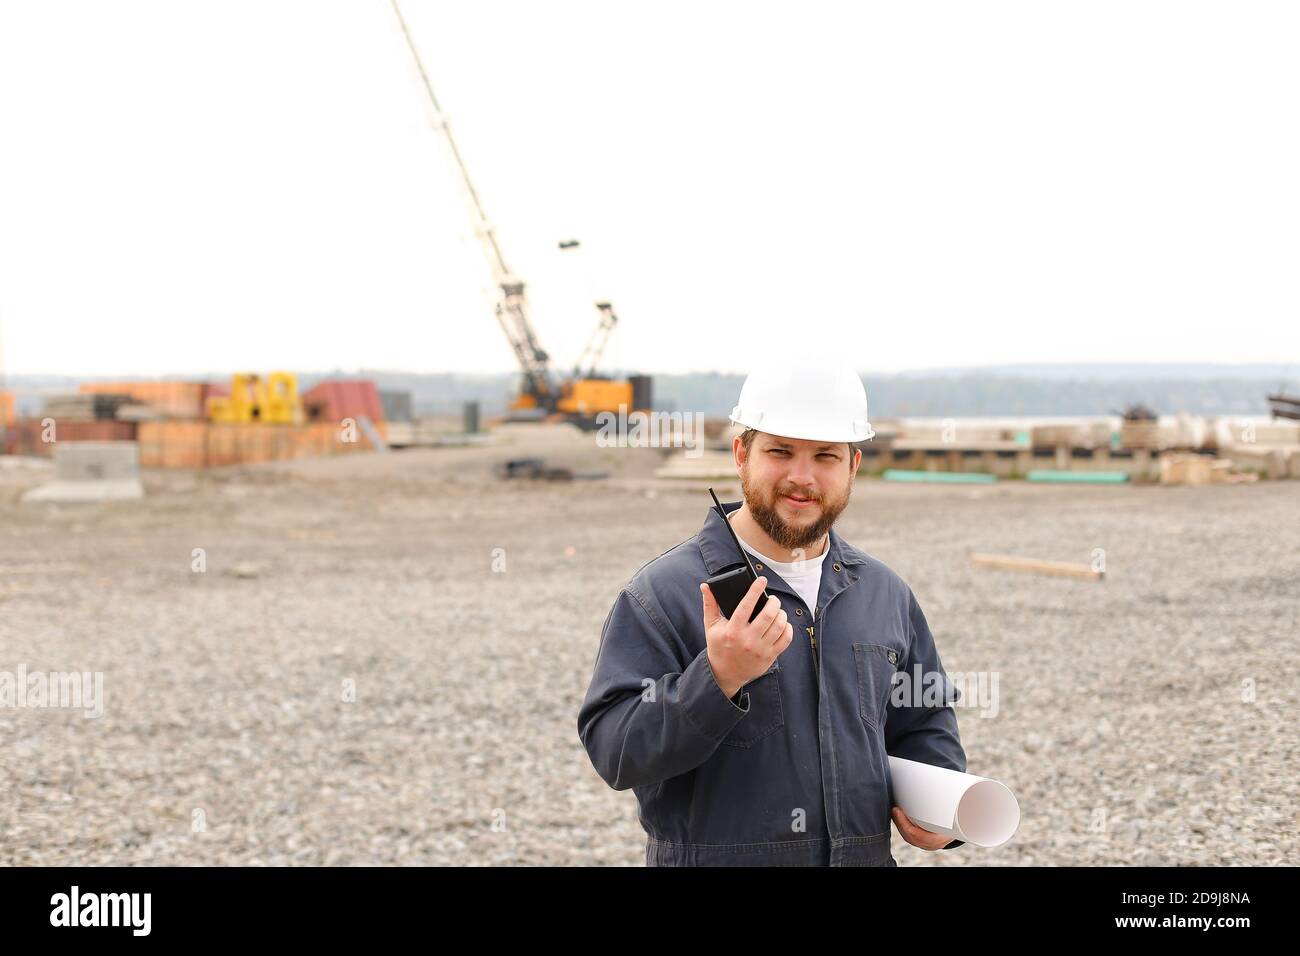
730 586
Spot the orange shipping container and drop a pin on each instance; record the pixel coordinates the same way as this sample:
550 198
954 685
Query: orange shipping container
199 444
30 434
175 444
335 400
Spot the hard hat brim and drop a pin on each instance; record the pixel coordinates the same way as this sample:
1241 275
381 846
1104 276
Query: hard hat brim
851 432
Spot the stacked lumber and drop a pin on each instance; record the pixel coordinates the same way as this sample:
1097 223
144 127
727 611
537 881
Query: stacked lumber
84 407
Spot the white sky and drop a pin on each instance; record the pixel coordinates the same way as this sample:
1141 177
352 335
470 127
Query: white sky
193 186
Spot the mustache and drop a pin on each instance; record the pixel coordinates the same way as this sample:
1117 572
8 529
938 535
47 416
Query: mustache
800 494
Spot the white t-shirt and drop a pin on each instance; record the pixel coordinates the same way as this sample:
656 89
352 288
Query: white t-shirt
805 578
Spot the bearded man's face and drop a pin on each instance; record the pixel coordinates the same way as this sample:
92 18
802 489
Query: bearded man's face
795 489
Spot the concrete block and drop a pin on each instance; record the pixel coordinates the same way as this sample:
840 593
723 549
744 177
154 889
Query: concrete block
92 471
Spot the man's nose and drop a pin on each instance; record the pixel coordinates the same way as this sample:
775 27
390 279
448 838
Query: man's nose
800 474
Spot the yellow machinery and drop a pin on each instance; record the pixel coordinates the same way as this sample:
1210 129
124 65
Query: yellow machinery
273 399
588 396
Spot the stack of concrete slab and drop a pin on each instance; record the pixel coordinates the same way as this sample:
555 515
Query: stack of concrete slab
1072 435
79 407
1273 461
1139 434
92 471
1178 468
1229 431
432 431
708 466
167 398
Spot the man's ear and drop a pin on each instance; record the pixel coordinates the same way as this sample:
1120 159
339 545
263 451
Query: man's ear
738 453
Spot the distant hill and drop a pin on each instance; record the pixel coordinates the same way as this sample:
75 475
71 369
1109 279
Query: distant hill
1019 390
1133 371
1025 390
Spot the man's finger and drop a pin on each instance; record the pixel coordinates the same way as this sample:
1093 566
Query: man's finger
914 834
905 825
712 613
769 612
746 605
775 631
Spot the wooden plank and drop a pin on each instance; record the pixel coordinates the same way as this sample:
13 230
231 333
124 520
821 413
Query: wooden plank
1007 562
1067 476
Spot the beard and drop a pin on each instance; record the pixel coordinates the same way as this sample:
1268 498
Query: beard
762 506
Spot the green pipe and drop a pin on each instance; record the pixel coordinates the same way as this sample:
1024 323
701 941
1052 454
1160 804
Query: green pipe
958 477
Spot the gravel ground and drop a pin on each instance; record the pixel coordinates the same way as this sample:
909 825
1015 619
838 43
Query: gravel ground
350 681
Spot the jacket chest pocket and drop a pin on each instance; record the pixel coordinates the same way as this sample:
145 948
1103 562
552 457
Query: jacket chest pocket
876 666
765 715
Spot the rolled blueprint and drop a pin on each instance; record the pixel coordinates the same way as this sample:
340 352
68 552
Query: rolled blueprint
961 805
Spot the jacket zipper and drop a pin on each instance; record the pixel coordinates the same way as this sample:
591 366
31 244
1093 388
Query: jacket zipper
812 637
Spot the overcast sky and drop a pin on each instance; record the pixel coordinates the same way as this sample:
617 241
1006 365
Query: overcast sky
192 186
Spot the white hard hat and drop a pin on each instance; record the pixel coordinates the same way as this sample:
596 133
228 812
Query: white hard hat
804 400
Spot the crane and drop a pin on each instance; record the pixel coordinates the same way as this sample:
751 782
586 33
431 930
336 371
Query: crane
585 394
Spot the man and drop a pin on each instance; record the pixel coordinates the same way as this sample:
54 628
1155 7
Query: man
767 742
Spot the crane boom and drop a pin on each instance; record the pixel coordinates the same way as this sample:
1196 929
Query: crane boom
590 356
512 309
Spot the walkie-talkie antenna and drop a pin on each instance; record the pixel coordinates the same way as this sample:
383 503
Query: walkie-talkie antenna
732 531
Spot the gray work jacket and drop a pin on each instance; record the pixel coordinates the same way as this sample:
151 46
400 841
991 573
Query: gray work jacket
793 770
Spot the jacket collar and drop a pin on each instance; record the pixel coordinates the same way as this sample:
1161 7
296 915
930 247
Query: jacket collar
719 550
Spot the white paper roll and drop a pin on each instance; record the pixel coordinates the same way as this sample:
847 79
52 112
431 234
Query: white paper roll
961 805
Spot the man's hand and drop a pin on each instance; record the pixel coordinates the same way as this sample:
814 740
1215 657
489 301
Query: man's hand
739 649
925 839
